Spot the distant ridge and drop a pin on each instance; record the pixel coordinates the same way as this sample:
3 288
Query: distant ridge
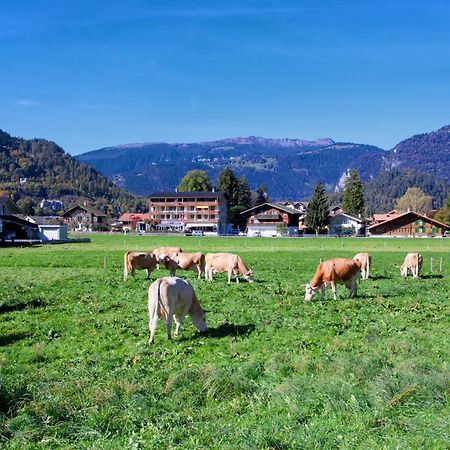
288 168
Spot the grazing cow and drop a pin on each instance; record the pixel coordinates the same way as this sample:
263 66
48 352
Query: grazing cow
173 297
133 261
332 272
162 252
226 262
413 262
185 261
366 260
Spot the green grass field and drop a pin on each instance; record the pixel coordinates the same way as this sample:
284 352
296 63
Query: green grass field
274 372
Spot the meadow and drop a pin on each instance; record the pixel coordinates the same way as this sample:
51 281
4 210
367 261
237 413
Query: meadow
273 372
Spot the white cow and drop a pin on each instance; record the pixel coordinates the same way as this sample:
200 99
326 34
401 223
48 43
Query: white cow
332 272
226 262
173 297
366 260
413 262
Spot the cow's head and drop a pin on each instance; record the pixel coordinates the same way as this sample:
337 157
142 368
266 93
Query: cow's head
249 276
404 270
310 292
199 319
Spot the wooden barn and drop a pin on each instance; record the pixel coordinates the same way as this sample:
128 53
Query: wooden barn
408 224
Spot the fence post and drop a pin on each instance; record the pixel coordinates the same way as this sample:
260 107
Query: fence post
440 265
431 264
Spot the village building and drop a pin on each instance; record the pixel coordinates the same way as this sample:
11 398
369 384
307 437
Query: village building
408 224
83 218
341 223
273 219
382 217
204 212
139 222
13 224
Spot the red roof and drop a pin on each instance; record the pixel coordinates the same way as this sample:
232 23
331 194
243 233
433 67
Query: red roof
413 213
134 217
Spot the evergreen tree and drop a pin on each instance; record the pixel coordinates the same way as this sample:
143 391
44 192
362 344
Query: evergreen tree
261 195
353 195
237 195
195 180
317 212
229 184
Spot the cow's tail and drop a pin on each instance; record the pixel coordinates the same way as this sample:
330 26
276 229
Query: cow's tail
368 266
202 263
154 297
125 266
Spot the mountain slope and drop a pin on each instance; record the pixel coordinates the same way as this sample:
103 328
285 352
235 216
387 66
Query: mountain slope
288 168
429 153
39 169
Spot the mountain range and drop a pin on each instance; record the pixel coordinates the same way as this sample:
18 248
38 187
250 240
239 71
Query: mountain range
288 168
110 178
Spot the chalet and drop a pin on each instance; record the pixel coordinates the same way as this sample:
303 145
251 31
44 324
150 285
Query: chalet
271 219
83 217
339 222
201 211
408 224
13 224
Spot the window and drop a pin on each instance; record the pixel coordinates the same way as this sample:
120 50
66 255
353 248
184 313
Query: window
417 229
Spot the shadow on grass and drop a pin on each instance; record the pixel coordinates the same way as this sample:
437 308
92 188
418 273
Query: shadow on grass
35 303
431 276
379 277
227 329
10 338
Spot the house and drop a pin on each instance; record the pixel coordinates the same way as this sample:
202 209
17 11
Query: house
50 228
83 217
272 219
13 224
135 221
341 222
189 211
408 224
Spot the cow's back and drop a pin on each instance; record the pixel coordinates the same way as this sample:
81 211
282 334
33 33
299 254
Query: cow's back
221 261
338 269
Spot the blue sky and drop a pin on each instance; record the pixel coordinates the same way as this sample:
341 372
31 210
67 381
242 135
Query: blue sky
89 74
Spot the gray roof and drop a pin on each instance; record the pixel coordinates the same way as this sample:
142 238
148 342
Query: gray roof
87 208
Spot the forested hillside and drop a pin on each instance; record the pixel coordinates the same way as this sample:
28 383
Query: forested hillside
288 168
382 192
31 170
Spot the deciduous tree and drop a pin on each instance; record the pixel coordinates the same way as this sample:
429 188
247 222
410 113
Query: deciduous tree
415 200
195 180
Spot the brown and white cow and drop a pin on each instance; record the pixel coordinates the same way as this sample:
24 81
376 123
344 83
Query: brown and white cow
173 297
226 262
366 260
133 261
413 262
332 272
185 261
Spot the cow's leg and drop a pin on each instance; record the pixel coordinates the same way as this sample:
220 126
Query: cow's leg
229 276
353 286
333 287
152 327
169 326
197 271
178 323
148 273
132 272
322 291
173 272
